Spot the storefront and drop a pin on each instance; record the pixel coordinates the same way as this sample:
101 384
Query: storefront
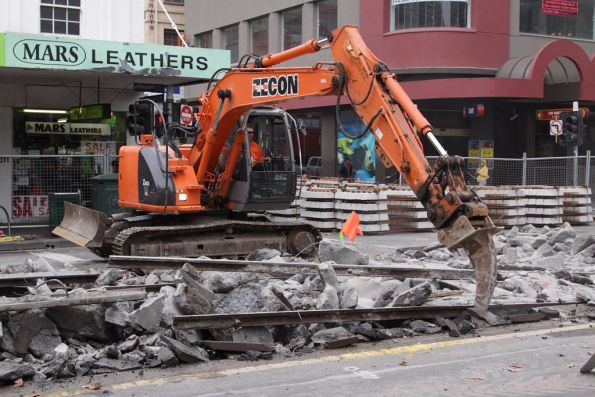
63 105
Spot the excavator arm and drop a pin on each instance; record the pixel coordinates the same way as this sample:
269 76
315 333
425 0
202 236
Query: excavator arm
459 216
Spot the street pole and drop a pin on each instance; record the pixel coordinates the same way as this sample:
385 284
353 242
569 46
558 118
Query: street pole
575 152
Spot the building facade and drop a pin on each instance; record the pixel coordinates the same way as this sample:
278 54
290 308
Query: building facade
158 27
480 70
69 69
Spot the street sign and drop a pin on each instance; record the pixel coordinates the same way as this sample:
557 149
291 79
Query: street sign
148 87
186 115
554 114
555 127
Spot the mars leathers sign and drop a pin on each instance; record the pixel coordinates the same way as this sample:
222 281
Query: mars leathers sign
37 127
45 52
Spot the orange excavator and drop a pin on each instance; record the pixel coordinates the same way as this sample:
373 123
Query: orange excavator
199 198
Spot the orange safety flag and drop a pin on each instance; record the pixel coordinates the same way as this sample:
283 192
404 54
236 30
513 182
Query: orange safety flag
351 227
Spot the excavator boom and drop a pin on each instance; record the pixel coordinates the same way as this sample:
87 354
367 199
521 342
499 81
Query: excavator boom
376 96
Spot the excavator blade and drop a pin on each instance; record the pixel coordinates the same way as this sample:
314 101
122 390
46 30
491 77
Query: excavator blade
83 226
479 245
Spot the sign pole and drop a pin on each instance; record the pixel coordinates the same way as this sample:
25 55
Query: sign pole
575 152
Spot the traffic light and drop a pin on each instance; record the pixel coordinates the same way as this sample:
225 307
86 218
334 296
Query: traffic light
141 118
572 128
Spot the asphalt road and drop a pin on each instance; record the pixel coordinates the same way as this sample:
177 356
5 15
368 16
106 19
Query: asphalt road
524 360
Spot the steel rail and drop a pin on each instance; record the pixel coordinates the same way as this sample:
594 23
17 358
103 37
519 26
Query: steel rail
207 321
29 279
283 269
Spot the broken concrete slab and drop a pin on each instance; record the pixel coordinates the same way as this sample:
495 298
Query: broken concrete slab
331 334
580 243
415 296
263 254
170 308
148 315
129 344
222 283
116 316
109 277
259 335
328 275
107 365
367 330
341 252
185 353
238 346
167 357
32 327
9 372
328 299
348 297
562 234
424 327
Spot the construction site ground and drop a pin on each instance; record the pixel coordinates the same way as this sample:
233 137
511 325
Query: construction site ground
538 359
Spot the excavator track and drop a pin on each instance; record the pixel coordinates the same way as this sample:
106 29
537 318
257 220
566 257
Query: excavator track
218 238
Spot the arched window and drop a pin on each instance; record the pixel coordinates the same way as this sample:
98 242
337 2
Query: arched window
420 14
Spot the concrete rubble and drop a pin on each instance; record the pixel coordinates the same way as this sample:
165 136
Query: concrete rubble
536 265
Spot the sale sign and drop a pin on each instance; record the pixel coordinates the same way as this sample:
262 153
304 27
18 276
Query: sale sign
29 207
566 8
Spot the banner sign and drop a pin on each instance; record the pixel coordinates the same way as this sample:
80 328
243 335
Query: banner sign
554 114
65 53
41 127
566 8
29 206
98 147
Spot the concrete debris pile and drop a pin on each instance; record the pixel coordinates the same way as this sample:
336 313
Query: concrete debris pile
83 337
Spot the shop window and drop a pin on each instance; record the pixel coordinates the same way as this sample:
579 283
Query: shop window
327 17
60 17
203 40
259 34
291 24
534 20
170 37
420 14
230 40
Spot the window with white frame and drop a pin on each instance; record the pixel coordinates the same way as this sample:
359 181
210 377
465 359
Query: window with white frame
259 36
230 41
421 14
327 17
291 25
60 17
533 19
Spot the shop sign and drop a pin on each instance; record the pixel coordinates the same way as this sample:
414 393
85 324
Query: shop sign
98 147
554 114
566 8
34 51
40 127
29 206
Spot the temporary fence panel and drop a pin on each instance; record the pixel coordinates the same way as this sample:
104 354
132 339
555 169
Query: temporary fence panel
34 177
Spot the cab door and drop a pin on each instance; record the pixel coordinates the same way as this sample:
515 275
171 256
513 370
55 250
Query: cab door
271 184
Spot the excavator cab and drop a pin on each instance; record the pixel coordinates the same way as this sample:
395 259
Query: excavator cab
264 177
